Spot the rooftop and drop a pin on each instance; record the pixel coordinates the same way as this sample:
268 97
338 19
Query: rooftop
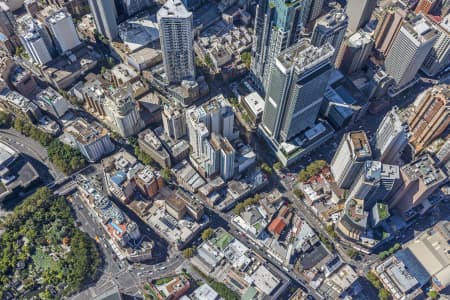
421 29
359 144
333 19
304 56
423 169
136 33
375 171
265 281
174 9
84 132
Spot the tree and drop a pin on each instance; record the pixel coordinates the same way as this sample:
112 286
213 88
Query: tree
207 233
5 120
383 294
166 175
266 168
246 58
189 252
433 294
277 166
298 193
352 253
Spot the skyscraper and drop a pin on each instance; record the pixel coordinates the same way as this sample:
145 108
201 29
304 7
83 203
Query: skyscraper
431 116
359 13
209 134
353 151
122 112
177 41
277 26
174 122
355 52
375 183
425 6
439 56
105 17
316 9
134 6
409 50
391 137
6 20
387 29
63 30
330 29
36 41
419 180
297 84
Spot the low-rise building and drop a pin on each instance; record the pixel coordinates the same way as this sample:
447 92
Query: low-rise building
124 235
92 139
52 102
15 102
151 145
65 70
148 181
335 286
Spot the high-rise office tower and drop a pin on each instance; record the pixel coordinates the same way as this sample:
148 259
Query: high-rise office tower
6 20
36 40
209 134
316 9
278 24
419 180
388 27
353 151
63 30
359 13
391 137
439 56
409 50
294 95
177 41
105 17
375 183
330 28
226 155
431 116
174 122
425 6
355 52
122 112
132 7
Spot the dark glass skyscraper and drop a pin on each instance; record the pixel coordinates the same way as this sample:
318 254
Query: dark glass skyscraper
297 83
278 24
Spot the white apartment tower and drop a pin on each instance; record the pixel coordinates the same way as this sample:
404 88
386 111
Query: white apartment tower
439 56
36 41
174 122
63 30
350 157
122 112
409 50
177 40
391 137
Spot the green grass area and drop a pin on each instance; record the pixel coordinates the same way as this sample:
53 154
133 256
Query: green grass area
383 211
224 241
163 280
43 261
